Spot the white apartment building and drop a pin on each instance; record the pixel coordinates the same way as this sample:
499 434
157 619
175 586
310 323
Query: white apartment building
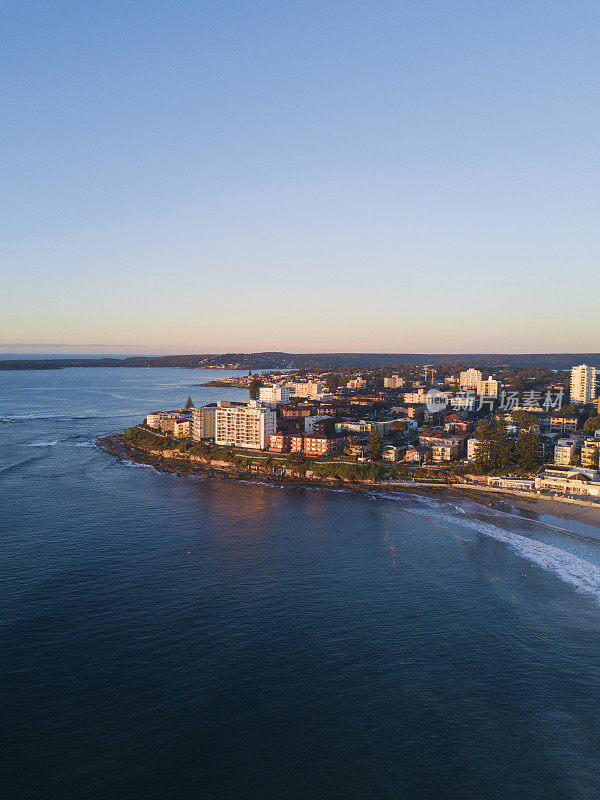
420 396
583 384
308 389
275 393
488 388
182 427
357 383
470 378
393 382
563 452
590 450
248 426
153 420
366 426
472 449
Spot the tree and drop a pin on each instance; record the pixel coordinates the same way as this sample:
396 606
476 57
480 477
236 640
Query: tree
332 381
592 424
502 449
189 403
398 426
376 443
254 388
523 419
529 451
483 449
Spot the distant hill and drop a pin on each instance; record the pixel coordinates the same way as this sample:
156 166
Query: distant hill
323 361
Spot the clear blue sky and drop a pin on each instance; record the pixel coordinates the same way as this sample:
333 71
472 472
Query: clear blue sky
308 176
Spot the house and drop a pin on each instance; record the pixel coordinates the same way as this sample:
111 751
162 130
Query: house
418 454
449 443
391 452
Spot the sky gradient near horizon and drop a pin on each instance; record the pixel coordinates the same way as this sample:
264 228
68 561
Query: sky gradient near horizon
301 176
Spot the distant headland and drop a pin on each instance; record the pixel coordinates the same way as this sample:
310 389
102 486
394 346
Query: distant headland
280 360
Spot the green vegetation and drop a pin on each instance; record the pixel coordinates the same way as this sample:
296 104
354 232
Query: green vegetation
524 419
592 424
496 451
254 388
189 403
376 444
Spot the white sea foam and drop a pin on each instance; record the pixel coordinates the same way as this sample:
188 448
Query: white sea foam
127 463
43 444
569 567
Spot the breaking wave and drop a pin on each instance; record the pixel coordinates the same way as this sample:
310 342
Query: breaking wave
569 567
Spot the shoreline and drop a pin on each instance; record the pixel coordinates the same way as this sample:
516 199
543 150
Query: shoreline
564 510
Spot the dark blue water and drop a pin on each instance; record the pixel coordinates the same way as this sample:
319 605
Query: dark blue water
167 637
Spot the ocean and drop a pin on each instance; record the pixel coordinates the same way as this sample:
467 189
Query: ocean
179 637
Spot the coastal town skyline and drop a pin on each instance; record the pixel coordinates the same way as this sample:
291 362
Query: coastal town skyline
300 399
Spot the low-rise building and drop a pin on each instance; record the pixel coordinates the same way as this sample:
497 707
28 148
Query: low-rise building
519 484
448 443
307 389
472 445
182 427
563 422
274 393
317 444
391 452
417 454
590 451
357 383
445 452
153 419
420 396
317 424
393 382
564 451
578 482
280 442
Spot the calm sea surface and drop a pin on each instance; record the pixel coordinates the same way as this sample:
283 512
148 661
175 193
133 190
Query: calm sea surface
166 637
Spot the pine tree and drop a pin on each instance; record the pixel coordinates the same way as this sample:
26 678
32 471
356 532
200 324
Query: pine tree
502 448
376 444
189 403
254 388
483 449
529 451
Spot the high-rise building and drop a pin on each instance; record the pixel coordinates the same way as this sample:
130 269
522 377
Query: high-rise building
469 379
203 419
248 426
583 384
